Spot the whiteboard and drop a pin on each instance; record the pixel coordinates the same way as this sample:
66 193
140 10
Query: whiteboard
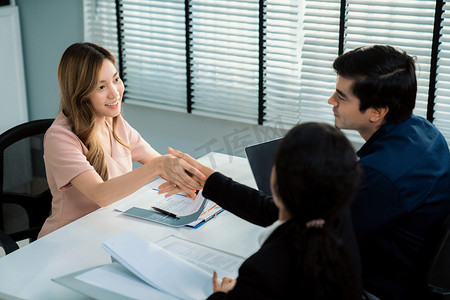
13 100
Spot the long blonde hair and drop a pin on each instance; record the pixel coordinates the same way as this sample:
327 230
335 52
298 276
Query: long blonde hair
78 76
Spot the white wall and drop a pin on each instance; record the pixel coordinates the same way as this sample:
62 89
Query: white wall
13 101
48 28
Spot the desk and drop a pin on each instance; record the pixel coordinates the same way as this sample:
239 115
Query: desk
27 272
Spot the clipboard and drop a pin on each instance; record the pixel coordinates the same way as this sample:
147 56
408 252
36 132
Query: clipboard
142 205
158 217
163 218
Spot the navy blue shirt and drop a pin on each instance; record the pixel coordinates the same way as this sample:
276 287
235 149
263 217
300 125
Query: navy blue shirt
405 192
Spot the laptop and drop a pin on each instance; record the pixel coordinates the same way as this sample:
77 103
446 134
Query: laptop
260 158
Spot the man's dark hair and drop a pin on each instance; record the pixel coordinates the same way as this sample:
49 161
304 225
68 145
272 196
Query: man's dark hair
384 77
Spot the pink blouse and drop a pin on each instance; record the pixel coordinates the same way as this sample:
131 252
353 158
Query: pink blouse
65 158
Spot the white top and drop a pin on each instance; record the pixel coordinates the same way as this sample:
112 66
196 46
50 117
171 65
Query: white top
268 231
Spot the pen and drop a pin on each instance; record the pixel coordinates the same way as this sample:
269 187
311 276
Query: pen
165 212
210 217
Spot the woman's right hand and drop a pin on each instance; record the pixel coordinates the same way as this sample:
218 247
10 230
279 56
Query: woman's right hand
182 175
194 163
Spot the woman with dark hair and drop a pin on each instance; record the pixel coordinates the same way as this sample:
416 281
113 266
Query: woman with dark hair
89 148
304 253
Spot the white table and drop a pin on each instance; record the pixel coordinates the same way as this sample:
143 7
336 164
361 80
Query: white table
27 272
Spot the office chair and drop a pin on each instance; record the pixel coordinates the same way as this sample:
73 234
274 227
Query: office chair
25 199
7 243
438 276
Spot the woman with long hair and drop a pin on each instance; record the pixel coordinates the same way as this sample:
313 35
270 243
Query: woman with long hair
304 254
90 148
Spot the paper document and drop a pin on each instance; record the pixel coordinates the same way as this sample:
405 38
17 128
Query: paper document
159 268
148 197
172 268
206 258
115 278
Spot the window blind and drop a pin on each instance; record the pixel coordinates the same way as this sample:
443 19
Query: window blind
100 24
154 55
442 100
282 62
230 73
224 49
319 49
404 24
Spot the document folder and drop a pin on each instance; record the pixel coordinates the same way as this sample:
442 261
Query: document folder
141 205
158 217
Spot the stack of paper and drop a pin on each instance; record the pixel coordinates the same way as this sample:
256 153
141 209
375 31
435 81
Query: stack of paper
173 268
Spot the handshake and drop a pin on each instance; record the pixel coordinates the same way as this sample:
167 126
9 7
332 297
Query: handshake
183 174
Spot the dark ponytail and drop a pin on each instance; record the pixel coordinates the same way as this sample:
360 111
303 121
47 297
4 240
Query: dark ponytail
316 176
324 266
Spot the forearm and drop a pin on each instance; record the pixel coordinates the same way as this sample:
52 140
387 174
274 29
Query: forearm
107 192
245 202
217 296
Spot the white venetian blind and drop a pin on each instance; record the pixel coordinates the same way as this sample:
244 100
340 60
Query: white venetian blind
100 26
403 24
224 59
442 100
282 62
301 45
319 50
154 54
406 24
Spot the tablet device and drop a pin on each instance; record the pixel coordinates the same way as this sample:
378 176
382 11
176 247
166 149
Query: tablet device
260 157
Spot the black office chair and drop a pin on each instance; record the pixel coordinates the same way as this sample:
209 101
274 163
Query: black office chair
25 199
7 243
438 276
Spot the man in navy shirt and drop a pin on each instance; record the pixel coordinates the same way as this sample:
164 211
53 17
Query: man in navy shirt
405 189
